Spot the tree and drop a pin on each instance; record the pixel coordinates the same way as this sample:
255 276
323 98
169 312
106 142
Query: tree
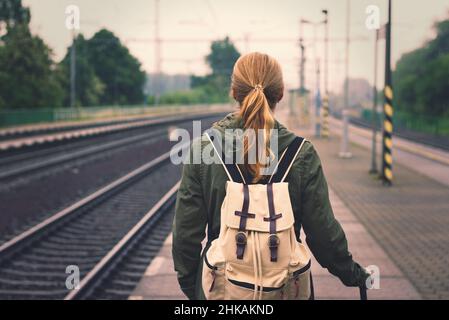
27 77
221 61
89 87
222 57
12 13
421 78
27 72
116 68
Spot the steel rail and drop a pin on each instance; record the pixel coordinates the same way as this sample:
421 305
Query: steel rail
100 271
13 245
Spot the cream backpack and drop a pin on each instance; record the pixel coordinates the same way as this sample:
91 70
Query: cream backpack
256 255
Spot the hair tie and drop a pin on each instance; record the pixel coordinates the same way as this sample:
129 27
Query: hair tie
258 87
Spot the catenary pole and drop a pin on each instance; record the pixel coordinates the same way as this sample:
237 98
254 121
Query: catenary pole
344 149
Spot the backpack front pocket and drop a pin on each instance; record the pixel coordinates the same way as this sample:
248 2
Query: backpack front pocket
213 279
299 286
241 283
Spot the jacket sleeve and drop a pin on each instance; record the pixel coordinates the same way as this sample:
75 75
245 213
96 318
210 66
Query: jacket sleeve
188 229
324 234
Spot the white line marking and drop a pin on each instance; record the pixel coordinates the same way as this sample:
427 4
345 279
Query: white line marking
154 267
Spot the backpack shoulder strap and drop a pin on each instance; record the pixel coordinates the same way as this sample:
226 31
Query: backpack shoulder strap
232 170
286 160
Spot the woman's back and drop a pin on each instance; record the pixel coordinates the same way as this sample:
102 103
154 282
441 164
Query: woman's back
203 189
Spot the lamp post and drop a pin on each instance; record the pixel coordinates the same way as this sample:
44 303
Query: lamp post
73 70
318 102
344 150
325 103
157 55
373 169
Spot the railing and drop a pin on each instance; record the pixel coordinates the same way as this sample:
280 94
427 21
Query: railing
29 116
437 126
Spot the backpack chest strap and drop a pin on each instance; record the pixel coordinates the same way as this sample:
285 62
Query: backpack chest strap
240 238
273 240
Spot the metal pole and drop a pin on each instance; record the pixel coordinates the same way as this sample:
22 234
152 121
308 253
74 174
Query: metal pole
303 58
318 91
302 66
387 160
301 92
317 101
73 71
157 55
325 126
373 169
344 151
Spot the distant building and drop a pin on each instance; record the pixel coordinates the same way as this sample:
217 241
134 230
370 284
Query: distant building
166 83
360 95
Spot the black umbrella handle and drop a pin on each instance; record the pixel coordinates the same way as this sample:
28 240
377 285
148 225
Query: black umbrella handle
363 295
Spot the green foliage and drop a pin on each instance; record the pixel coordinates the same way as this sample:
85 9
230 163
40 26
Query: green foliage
203 94
106 73
27 77
89 87
12 13
221 60
116 68
421 78
222 57
437 126
27 72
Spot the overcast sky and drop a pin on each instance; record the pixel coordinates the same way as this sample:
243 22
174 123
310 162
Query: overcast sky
272 26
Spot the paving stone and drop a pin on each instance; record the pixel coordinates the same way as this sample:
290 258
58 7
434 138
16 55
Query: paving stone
409 220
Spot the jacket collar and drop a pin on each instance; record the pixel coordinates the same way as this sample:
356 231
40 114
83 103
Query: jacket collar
233 121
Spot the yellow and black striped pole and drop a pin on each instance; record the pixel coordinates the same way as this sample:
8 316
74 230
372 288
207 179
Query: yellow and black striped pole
387 159
325 117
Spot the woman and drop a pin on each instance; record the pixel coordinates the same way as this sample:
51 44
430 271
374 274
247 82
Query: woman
257 86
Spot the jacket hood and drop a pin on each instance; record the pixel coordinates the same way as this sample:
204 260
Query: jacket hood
234 121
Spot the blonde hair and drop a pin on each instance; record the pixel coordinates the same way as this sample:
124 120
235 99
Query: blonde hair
257 86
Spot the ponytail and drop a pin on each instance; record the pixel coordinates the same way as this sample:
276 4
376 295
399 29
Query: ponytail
256 115
257 85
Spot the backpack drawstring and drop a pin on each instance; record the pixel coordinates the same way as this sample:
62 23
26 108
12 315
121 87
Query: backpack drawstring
256 270
258 273
259 258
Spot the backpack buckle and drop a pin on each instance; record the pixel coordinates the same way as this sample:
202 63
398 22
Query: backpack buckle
273 241
273 244
240 239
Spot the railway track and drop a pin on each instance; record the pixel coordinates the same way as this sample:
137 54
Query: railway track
118 273
96 234
17 145
18 165
8 134
44 129
31 163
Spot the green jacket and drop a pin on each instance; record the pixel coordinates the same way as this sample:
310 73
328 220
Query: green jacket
202 191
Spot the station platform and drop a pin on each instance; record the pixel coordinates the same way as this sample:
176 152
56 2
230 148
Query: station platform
401 229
